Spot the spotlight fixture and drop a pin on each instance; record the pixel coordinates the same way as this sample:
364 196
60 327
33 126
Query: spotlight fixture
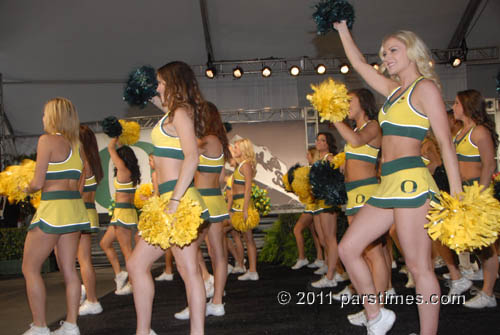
431 63
237 72
320 69
459 56
294 70
266 71
455 61
344 68
375 66
210 72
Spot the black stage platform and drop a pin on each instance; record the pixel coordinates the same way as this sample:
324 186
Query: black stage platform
253 308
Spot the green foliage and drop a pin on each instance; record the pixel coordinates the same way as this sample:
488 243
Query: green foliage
12 243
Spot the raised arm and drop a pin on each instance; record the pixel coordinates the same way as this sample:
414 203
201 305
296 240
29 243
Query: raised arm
362 137
372 77
428 99
117 161
42 163
184 128
482 138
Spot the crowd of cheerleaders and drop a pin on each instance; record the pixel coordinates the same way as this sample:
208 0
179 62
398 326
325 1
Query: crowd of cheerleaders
176 217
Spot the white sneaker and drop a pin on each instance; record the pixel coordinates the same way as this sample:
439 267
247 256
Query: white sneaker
439 262
410 283
394 265
481 300
229 268
357 319
125 290
182 315
90 308
121 279
345 292
322 270
35 330
390 292
249 276
316 264
459 286
165 277
83 295
474 275
209 289
382 323
324 282
215 309
339 278
66 329
238 269
300 264
152 332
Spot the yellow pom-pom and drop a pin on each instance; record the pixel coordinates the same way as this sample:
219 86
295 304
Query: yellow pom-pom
143 193
286 184
15 179
330 99
239 223
466 225
301 186
159 228
131 131
35 199
338 160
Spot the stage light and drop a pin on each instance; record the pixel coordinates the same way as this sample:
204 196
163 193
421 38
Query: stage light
210 72
320 69
237 72
431 63
266 71
344 68
375 66
294 70
455 61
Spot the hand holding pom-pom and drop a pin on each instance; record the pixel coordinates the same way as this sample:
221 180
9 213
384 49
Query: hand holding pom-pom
331 100
111 126
141 86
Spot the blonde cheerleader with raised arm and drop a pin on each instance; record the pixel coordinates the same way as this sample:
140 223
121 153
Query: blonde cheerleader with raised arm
173 219
244 215
413 105
60 217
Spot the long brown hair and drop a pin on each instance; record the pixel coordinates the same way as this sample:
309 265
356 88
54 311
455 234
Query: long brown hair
475 108
214 126
89 142
182 90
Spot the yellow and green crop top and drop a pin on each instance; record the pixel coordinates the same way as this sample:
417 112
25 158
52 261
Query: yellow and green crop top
398 116
229 183
211 165
364 152
165 145
238 177
124 187
466 150
70 168
90 184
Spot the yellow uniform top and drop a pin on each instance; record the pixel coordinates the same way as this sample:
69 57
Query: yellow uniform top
165 145
90 184
229 182
364 152
70 168
400 118
466 150
239 178
211 165
124 187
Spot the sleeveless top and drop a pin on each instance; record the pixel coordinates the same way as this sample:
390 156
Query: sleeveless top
90 184
400 118
211 165
466 150
70 168
165 145
364 152
239 178
124 187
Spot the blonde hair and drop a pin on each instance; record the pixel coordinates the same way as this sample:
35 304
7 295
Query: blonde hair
314 153
417 52
61 117
247 153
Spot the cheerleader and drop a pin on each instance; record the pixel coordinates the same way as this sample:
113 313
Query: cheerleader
124 219
93 175
176 158
306 221
327 229
244 215
60 217
476 145
414 104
